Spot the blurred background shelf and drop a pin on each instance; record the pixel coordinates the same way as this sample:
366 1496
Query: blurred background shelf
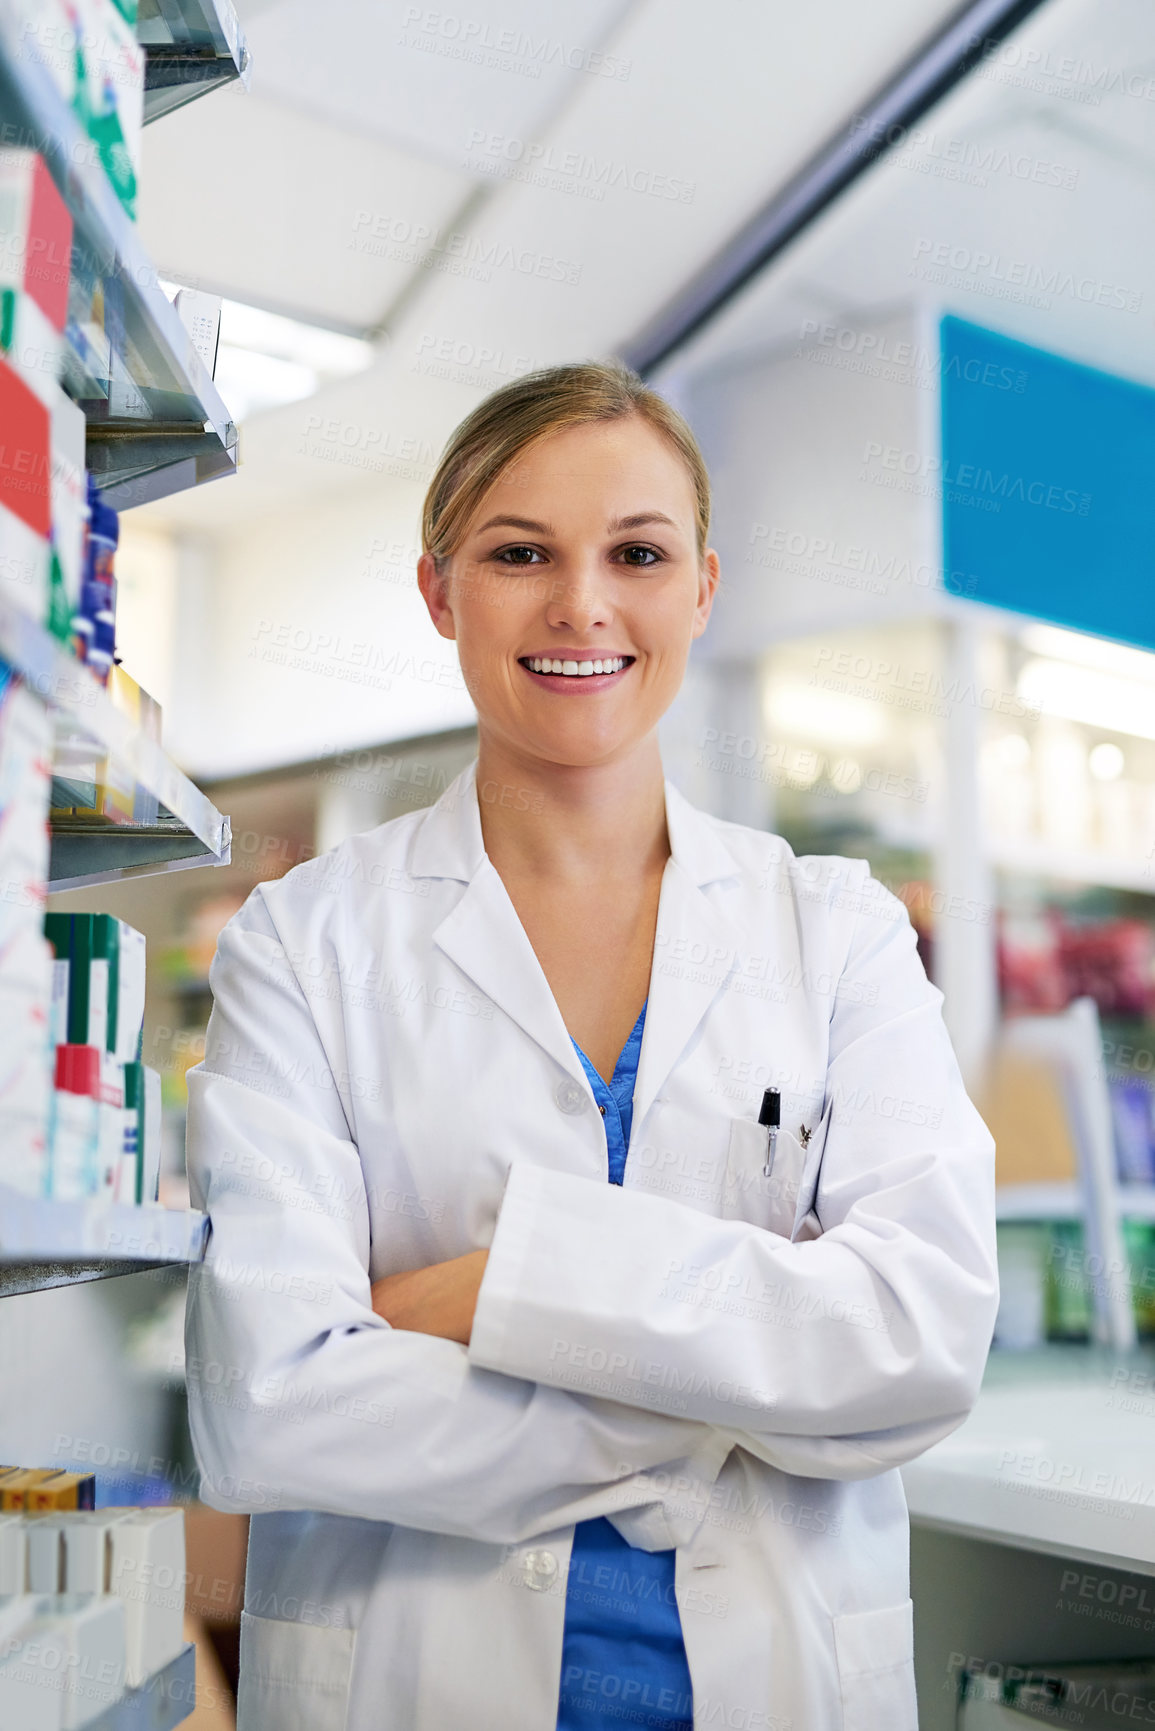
45 1243
192 47
1064 1201
1031 858
161 426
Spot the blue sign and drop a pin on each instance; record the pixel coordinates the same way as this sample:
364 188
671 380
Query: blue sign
1048 485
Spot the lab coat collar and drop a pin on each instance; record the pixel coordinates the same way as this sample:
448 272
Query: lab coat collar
485 938
449 842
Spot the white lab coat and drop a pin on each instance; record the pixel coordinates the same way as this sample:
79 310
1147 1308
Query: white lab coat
721 1363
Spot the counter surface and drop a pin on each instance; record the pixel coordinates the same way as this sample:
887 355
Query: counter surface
1057 1456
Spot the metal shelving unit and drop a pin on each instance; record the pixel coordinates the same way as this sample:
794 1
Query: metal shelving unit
46 1243
162 426
192 47
192 831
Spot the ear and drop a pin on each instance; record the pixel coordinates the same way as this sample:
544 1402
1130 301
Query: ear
434 587
707 588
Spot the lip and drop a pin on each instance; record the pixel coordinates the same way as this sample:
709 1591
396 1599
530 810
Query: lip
572 684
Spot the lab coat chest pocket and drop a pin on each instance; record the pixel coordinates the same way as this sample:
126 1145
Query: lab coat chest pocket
781 1202
294 1676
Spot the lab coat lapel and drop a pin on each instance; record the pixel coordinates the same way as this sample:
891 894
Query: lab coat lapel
482 934
695 951
485 938
696 947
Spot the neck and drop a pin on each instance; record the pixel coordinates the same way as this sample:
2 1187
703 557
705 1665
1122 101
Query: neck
562 822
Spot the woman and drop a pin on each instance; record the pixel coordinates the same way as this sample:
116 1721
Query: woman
525 1448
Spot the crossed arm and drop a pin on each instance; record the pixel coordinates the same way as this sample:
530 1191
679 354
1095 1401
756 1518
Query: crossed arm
438 1300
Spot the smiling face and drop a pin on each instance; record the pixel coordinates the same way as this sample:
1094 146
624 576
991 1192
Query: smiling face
583 552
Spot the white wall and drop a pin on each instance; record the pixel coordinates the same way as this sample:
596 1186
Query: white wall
300 636
812 532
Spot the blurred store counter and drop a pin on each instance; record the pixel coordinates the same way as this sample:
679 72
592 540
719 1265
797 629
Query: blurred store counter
1033 1533
1057 1456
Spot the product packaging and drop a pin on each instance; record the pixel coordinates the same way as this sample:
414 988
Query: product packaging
13 1555
142 1142
35 233
69 501
147 1570
100 974
25 960
31 344
25 495
109 96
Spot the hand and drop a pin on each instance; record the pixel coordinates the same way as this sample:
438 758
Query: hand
440 1299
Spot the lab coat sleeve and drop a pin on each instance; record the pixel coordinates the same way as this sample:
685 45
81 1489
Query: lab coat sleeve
300 1396
839 1356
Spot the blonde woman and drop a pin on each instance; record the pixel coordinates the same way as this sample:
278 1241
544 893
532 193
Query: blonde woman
575 1290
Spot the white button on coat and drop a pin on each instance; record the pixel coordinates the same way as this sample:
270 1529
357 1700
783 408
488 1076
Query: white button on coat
726 1364
570 1097
540 1569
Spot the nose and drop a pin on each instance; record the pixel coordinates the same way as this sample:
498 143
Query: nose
580 601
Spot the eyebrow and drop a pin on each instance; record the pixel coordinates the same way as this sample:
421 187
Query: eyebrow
635 522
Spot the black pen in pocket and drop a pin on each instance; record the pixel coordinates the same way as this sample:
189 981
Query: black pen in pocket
771 1117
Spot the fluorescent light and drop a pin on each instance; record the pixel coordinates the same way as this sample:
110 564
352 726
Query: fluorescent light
1052 640
1096 698
826 717
265 360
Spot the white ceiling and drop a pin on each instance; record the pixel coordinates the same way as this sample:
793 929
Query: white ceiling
264 196
1071 97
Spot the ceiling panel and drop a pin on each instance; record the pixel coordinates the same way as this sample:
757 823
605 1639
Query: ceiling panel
268 204
426 78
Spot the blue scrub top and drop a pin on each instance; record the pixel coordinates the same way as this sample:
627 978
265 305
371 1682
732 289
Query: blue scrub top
622 1651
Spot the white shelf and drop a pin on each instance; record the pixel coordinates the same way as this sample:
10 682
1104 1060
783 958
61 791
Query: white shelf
1042 859
1064 1201
44 1243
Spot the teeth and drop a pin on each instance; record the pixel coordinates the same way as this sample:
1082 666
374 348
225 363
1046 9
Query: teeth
576 669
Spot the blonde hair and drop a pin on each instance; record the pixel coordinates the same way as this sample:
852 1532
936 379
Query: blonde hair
528 410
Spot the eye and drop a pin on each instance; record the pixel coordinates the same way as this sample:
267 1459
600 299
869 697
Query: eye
649 556
519 555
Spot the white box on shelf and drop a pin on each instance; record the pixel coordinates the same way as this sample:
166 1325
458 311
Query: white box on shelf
88 1631
147 1571
88 1549
13 1555
30 1698
45 1537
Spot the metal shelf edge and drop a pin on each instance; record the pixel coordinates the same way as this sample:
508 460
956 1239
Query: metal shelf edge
106 229
65 684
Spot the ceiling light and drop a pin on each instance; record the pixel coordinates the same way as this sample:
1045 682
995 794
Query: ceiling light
1052 640
1096 698
265 359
